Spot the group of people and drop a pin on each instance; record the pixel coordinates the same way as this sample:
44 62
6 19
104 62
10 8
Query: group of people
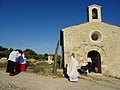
16 62
72 68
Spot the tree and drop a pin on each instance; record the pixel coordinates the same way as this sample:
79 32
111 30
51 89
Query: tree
30 53
4 52
3 49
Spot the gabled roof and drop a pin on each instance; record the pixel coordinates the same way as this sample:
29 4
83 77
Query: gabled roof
94 5
89 23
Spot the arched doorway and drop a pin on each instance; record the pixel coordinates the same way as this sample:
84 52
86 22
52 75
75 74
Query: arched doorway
96 61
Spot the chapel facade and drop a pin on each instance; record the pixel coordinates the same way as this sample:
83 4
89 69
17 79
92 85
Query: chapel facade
95 39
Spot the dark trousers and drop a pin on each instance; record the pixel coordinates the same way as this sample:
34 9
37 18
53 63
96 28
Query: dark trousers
17 66
10 66
89 66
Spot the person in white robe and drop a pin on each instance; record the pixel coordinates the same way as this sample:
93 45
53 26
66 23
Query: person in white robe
72 69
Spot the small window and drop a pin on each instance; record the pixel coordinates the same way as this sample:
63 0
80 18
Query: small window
94 14
96 36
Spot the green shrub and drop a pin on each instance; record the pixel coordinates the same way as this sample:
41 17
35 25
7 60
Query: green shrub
3 64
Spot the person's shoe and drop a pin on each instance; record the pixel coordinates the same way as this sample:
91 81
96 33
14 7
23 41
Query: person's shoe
11 74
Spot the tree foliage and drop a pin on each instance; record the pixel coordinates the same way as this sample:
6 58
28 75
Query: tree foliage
4 52
29 54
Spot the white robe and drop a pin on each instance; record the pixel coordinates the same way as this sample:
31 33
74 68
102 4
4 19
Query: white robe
72 69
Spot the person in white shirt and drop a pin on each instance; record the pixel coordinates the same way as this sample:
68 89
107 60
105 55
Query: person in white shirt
72 69
11 62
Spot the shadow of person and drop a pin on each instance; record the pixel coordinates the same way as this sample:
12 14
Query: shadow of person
16 72
65 73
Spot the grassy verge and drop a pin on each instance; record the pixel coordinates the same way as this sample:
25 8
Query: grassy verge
3 65
42 68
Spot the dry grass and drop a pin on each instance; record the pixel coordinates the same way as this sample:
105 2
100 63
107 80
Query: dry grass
42 68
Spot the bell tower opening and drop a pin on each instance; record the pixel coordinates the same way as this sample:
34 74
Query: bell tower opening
94 13
96 61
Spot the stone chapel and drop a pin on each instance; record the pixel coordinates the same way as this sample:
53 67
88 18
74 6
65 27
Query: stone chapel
95 39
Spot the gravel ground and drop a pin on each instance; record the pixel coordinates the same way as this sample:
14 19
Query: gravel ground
31 81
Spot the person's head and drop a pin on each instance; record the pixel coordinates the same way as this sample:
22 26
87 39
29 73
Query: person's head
16 49
20 51
23 52
73 54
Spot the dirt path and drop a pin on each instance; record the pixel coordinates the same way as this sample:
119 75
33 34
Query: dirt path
30 81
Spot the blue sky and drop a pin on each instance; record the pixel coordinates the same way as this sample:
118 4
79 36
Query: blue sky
36 24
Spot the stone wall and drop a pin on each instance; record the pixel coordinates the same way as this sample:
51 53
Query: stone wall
77 39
